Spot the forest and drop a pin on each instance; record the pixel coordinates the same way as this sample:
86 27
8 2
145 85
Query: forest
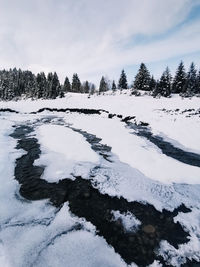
16 84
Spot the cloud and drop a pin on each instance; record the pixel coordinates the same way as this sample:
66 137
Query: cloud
93 37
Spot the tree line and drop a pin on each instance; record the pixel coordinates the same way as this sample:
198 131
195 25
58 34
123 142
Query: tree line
15 84
186 84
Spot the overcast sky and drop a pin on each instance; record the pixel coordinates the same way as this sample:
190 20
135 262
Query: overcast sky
98 37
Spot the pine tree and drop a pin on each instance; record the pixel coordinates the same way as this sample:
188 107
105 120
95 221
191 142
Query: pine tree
198 83
55 89
122 81
157 90
86 87
179 82
165 83
76 84
66 85
29 84
114 87
142 79
191 82
5 87
103 87
92 90
152 84
53 86
41 82
47 93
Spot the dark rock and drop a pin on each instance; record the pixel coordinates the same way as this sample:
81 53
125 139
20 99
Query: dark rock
144 123
110 116
126 119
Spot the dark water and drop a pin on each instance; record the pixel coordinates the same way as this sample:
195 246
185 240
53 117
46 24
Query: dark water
167 148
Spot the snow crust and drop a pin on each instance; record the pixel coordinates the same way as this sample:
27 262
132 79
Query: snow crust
129 221
64 153
136 151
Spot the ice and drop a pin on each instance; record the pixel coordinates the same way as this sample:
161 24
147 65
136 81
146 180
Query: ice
129 221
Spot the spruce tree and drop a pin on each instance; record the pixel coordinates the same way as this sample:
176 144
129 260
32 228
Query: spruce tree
92 90
122 84
114 87
198 83
53 86
66 85
41 85
179 82
152 84
55 90
142 79
191 82
157 90
49 85
76 84
165 83
103 87
86 87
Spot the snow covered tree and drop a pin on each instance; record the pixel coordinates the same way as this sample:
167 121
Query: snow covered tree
92 89
76 84
53 86
114 87
152 84
41 85
179 82
157 90
55 89
165 83
66 85
103 86
198 83
29 84
191 81
86 87
49 85
122 84
142 79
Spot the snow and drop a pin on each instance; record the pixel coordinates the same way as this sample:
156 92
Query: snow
37 234
129 221
72 153
136 151
145 108
79 249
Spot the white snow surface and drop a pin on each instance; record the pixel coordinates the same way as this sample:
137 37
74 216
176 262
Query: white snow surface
129 221
184 130
136 151
64 153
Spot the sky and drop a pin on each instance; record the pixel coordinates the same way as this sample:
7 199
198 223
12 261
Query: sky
95 38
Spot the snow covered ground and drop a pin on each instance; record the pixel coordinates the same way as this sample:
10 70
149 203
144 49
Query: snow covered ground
34 233
176 126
